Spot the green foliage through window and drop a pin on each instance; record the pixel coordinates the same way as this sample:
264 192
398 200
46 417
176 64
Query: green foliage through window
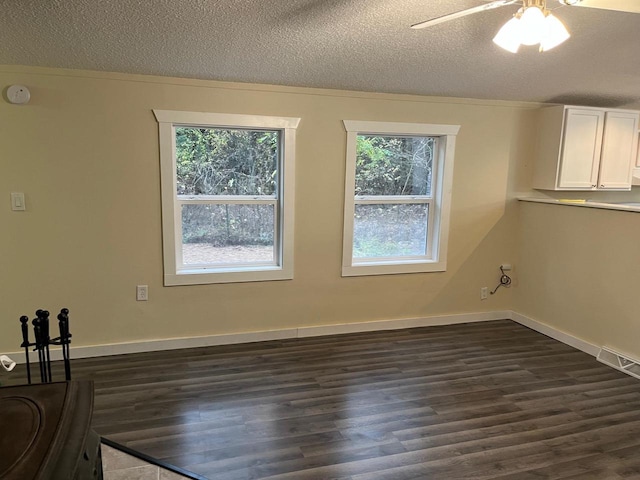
393 165
227 162
218 161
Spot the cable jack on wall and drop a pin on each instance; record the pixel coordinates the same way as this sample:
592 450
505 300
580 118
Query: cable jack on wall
505 280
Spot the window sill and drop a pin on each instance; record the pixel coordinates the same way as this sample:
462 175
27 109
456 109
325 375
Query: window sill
203 277
393 268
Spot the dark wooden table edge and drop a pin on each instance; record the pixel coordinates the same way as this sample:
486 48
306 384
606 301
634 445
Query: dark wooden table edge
153 461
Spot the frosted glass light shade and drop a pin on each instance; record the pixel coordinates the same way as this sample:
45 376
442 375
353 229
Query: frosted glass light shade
508 37
532 26
555 33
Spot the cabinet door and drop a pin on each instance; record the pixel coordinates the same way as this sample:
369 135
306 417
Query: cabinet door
581 146
619 145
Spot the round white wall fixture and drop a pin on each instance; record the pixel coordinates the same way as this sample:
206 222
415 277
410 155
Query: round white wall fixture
18 94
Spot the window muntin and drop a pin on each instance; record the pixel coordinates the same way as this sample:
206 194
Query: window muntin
397 195
227 185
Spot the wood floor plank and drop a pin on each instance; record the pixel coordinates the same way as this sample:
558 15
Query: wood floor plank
490 400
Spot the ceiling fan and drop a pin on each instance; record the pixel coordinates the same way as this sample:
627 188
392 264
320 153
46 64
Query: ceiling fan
533 23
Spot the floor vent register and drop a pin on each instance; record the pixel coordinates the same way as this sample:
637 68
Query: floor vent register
619 362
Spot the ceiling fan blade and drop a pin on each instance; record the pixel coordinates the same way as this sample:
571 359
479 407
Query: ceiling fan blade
464 13
631 6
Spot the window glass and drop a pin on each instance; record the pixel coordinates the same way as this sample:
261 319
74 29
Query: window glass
393 165
222 161
390 230
227 234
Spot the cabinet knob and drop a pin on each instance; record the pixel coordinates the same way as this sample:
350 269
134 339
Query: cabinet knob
601 186
594 186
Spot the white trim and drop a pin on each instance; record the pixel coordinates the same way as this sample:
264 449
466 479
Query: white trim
226 200
443 201
225 119
556 334
170 213
399 324
349 205
314 331
392 199
175 272
287 203
161 345
261 336
390 268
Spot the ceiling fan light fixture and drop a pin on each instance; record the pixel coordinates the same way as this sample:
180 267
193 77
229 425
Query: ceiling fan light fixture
532 26
508 37
555 34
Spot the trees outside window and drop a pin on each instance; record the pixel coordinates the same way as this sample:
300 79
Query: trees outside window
235 173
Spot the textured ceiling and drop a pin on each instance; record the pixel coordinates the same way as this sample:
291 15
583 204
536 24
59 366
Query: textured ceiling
346 44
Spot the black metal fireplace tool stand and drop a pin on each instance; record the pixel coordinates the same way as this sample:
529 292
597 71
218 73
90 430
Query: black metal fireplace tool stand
43 340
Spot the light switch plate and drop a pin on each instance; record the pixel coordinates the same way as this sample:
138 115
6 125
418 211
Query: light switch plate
17 202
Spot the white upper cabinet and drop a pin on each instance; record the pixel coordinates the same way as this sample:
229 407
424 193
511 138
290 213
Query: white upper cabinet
581 146
584 148
619 146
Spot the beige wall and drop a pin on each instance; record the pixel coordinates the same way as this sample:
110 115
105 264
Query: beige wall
579 271
579 268
85 152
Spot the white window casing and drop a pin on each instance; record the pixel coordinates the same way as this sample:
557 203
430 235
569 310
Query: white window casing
439 201
175 271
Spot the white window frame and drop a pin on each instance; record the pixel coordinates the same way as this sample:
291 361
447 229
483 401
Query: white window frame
175 273
439 202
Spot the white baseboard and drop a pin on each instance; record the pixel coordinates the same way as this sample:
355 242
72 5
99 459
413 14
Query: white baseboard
261 336
314 331
402 323
159 345
556 334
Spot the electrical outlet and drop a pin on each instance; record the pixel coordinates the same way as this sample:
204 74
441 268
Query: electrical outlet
142 293
484 293
506 267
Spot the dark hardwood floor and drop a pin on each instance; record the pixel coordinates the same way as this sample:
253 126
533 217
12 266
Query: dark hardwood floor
490 400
